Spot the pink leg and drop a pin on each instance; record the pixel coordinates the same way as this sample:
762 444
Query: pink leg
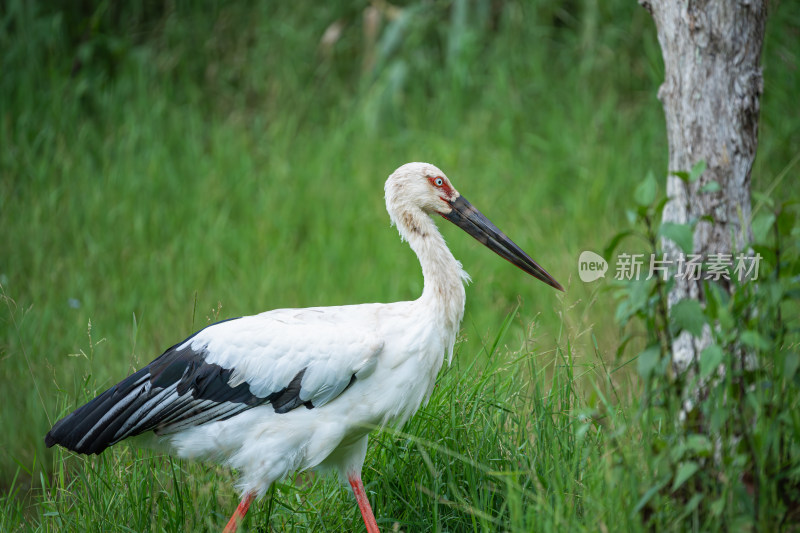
238 515
363 503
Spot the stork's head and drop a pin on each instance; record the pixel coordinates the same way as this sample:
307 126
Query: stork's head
417 188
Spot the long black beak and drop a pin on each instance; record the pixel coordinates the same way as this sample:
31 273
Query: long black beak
467 217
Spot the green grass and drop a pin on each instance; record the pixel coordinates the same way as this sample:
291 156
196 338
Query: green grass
499 446
216 161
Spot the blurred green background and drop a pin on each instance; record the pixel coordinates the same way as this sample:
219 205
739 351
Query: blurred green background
163 164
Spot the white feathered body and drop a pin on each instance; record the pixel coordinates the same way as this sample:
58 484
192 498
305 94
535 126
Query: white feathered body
394 350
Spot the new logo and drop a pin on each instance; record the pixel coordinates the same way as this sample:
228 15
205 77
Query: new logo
591 266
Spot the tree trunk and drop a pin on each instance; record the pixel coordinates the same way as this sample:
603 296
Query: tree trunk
710 94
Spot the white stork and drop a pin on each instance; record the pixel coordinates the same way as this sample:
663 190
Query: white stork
294 389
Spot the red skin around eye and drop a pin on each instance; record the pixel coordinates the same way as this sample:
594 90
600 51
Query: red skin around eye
445 187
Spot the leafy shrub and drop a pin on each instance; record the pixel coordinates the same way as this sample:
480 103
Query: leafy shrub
724 432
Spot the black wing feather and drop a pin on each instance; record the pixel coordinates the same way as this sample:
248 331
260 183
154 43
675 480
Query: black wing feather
177 390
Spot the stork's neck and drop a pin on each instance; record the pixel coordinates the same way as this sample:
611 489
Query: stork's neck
443 276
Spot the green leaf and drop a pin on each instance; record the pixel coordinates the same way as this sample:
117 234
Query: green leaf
768 257
608 251
726 319
719 418
721 295
648 360
648 495
645 192
685 471
699 444
680 234
625 340
712 304
633 299
761 198
692 505
718 506
623 313
682 174
697 171
688 315
754 339
761 225
659 207
710 358
711 186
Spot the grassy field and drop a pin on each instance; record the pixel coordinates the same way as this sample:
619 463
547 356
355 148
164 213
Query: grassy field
162 167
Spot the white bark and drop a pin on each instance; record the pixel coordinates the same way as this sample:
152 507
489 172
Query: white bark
710 94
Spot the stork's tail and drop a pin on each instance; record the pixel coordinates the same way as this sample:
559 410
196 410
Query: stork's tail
97 425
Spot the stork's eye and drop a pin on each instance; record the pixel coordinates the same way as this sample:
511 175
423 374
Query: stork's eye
438 182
